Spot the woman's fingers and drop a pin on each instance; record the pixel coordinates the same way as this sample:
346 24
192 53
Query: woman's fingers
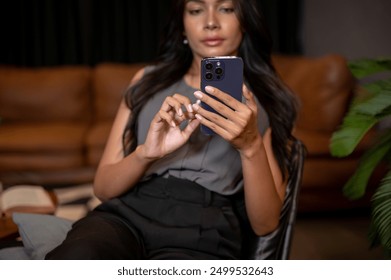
210 119
191 126
224 104
249 99
232 117
177 102
176 109
169 117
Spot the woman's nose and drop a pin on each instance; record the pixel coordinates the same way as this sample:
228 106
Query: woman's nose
211 21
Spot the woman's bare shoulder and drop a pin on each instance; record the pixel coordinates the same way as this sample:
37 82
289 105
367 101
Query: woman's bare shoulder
139 74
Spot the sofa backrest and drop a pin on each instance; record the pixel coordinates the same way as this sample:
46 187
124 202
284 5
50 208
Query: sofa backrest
45 94
324 86
109 83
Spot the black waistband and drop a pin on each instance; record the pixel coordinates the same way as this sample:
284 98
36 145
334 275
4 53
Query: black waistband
182 190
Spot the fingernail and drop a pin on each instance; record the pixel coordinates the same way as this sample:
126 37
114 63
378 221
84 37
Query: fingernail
198 116
173 124
198 94
198 102
196 106
190 108
209 89
180 112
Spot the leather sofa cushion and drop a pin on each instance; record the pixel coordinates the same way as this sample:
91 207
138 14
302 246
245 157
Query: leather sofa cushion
40 161
55 94
68 176
96 141
324 86
42 137
317 174
109 83
28 146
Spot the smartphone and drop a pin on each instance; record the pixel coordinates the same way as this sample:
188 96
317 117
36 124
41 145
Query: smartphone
224 73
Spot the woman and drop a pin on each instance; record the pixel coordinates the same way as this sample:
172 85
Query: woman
167 189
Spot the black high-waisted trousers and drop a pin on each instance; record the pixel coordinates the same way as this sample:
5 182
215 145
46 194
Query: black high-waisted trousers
163 218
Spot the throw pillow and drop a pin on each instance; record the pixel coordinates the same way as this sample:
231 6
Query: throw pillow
41 233
13 253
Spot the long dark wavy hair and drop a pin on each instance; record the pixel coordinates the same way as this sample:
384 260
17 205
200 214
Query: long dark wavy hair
175 59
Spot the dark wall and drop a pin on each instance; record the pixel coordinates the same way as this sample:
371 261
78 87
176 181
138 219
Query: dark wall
357 29
58 32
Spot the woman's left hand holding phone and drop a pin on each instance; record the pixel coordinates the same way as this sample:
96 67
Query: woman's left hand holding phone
236 122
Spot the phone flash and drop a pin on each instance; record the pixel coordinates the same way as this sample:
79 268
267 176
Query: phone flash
218 63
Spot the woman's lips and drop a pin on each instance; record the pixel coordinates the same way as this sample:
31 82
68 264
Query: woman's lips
213 42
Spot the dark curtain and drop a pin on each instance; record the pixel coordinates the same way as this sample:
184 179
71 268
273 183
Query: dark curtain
284 21
58 32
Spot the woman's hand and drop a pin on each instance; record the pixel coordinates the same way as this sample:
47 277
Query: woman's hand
238 125
165 135
238 121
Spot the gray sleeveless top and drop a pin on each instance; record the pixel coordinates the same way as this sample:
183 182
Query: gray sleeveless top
209 161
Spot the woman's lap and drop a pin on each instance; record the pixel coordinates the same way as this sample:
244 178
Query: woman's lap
99 235
156 225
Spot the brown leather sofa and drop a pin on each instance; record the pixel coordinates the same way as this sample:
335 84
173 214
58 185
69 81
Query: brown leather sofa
54 123
325 87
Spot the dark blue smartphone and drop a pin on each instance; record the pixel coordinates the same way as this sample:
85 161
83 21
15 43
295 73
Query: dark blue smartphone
224 73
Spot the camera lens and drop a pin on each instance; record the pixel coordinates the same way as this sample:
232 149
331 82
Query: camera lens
218 71
208 76
209 66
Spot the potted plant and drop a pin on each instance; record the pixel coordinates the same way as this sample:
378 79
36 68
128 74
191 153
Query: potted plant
365 113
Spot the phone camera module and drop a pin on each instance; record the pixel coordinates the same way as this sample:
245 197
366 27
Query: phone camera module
219 71
209 76
209 66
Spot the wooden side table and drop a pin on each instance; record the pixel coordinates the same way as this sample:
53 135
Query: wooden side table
8 229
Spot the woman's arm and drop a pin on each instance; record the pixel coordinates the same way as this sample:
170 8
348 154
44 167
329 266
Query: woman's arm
263 185
264 188
117 174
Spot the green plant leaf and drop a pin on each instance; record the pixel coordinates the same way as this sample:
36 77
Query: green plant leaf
362 116
374 105
366 110
365 67
346 138
356 186
378 86
363 113
381 212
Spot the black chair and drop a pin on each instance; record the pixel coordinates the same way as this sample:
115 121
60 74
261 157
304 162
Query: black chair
277 244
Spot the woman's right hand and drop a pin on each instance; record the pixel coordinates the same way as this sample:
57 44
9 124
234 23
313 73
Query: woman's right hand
165 134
